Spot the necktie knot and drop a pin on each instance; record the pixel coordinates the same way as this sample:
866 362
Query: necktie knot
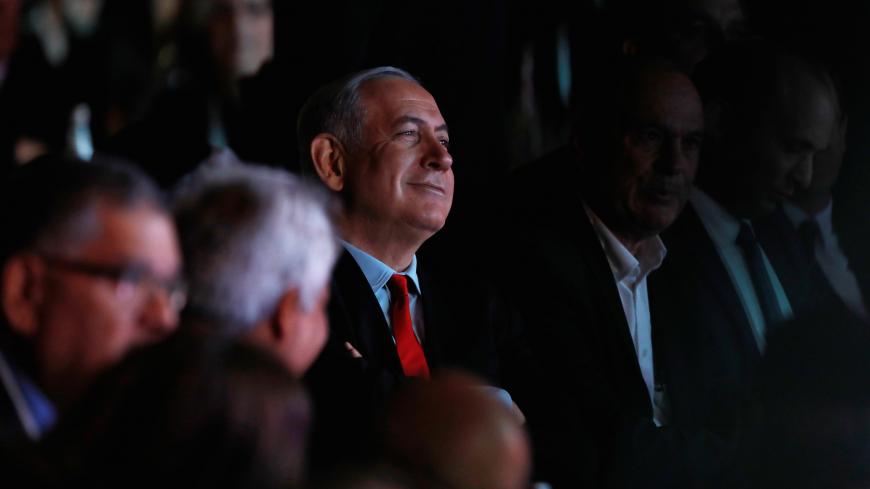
398 285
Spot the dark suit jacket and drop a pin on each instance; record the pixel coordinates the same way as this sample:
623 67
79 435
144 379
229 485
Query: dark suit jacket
466 327
597 430
10 426
694 295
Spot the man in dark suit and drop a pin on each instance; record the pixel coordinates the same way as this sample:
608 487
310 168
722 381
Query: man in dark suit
731 279
580 266
90 267
377 139
770 114
832 235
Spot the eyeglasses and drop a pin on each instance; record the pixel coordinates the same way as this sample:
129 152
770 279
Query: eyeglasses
131 281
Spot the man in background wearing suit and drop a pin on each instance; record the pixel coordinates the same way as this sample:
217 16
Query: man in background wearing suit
829 232
580 268
377 139
728 281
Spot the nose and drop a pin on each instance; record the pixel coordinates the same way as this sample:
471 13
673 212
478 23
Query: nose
672 158
159 315
803 172
438 157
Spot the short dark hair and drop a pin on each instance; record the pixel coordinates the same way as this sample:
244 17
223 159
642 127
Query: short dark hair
43 198
335 109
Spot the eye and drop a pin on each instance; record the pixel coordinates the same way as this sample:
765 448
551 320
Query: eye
649 139
409 134
445 142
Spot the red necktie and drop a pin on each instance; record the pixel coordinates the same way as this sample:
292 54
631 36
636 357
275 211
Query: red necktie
410 351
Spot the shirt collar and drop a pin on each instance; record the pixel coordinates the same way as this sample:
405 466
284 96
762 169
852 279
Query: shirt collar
823 218
623 264
378 273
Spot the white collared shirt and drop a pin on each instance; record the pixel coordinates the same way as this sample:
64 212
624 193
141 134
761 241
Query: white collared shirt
378 274
830 257
723 229
630 273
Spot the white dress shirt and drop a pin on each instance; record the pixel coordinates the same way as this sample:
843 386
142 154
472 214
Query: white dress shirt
723 228
830 257
630 273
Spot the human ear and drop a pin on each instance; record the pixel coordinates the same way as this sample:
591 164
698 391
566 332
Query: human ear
330 160
22 293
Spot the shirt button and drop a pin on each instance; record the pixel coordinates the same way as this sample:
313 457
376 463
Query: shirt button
644 353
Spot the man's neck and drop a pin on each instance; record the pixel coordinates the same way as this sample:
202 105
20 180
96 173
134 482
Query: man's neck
394 249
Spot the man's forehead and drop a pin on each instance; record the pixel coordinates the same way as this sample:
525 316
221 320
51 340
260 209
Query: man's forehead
667 96
400 100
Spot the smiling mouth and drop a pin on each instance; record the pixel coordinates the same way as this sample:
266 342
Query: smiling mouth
430 188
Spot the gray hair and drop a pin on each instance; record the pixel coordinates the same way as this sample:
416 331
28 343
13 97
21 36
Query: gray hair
249 234
51 203
335 109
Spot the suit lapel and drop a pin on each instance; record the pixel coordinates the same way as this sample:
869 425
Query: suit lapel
693 248
612 326
359 307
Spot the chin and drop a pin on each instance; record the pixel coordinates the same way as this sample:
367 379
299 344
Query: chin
657 220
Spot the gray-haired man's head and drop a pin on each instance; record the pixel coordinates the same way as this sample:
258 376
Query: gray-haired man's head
260 247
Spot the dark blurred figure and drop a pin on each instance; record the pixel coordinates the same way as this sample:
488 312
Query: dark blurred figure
379 142
140 57
9 21
828 232
206 105
258 247
683 31
814 388
769 115
614 412
9 10
199 414
730 278
91 270
52 80
451 432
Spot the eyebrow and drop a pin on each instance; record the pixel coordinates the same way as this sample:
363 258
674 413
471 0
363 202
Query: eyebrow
420 122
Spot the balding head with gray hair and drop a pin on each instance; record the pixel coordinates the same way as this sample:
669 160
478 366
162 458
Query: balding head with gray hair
336 109
249 234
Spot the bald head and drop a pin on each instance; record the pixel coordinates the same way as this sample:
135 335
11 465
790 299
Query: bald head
455 432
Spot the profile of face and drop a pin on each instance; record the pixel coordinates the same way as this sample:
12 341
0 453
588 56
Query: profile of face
826 169
241 34
114 291
786 142
401 176
653 165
